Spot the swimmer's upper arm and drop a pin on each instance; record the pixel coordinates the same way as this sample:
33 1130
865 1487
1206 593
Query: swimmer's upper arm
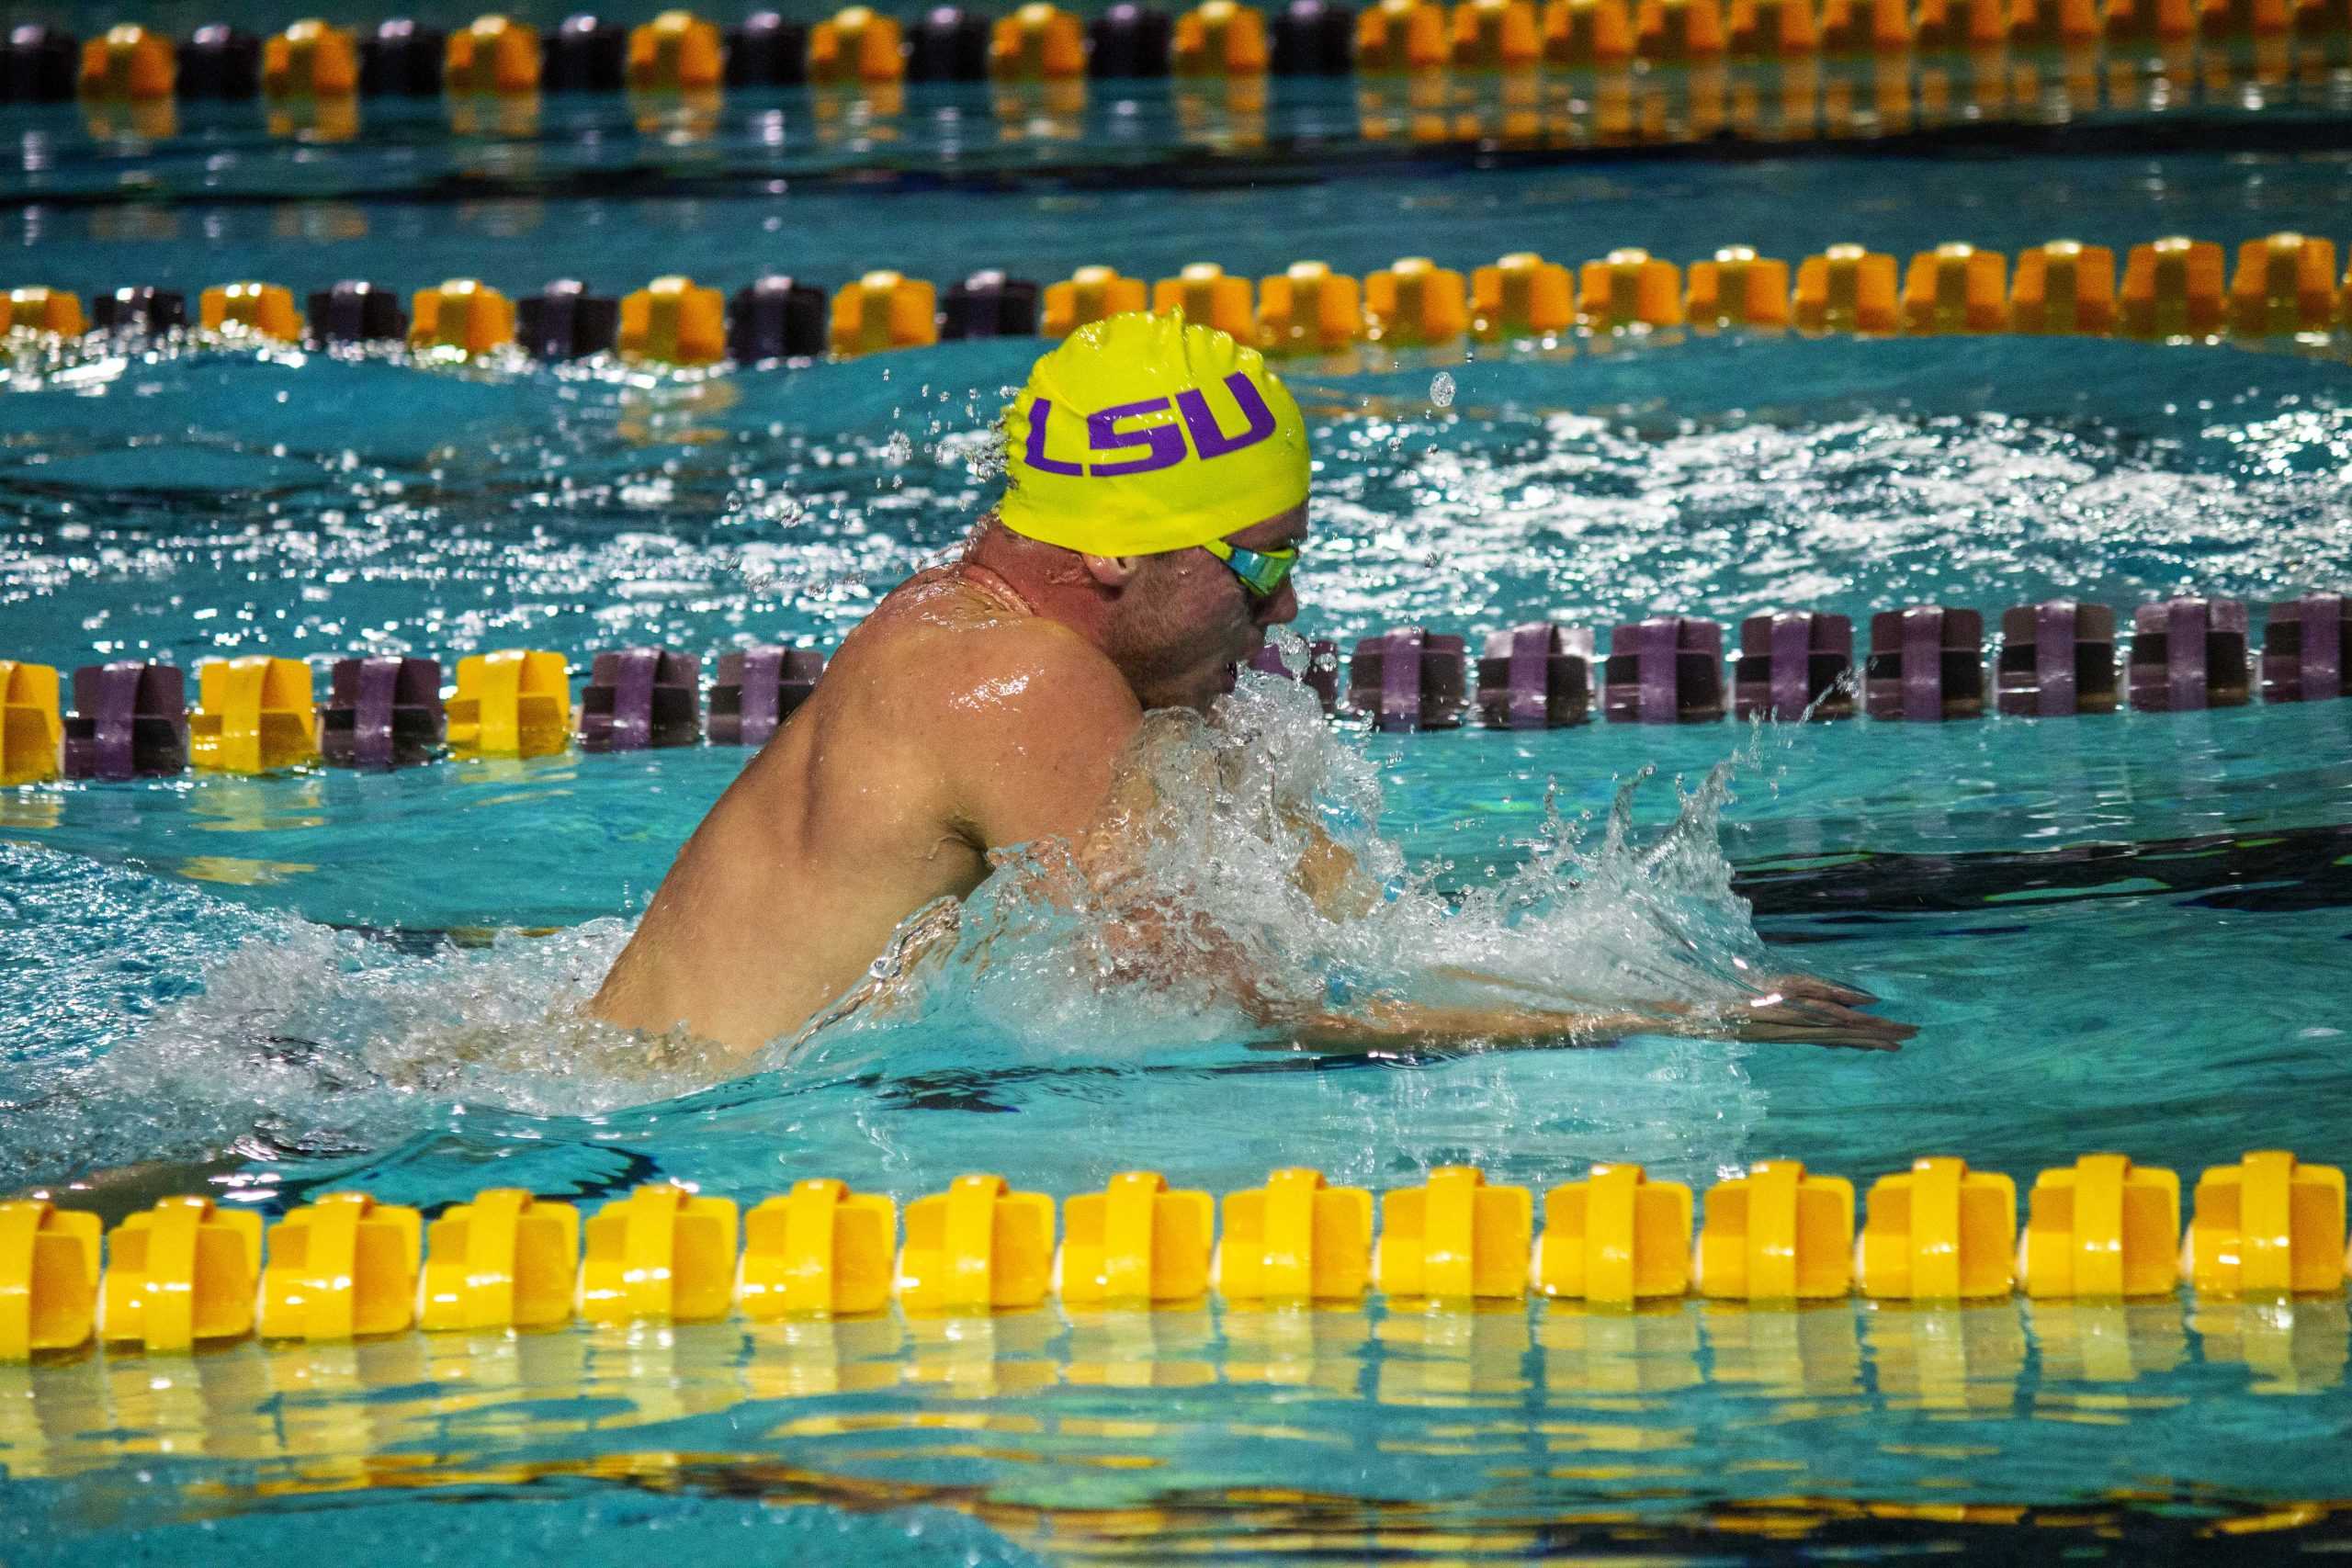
1030 732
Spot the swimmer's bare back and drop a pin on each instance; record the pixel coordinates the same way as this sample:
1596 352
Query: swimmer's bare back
951 720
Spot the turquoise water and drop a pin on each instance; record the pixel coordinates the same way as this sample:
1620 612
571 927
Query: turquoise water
2114 933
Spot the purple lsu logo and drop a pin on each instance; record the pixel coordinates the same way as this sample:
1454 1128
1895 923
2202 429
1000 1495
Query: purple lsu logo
1163 444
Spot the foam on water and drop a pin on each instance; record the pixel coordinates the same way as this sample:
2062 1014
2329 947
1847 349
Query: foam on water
301 1040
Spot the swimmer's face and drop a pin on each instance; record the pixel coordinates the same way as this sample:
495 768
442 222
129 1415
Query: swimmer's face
1186 623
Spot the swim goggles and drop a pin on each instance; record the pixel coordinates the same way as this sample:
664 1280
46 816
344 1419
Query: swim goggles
1262 572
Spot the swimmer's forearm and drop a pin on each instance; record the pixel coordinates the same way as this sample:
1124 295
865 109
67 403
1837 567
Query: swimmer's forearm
1776 1017
1400 1024
1800 986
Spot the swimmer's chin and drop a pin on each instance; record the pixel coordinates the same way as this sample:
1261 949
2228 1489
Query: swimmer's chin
1203 698
1200 695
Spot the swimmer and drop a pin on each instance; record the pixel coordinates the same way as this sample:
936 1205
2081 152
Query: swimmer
1156 504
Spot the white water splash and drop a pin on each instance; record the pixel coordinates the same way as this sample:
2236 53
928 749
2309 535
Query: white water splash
1220 814
310 1041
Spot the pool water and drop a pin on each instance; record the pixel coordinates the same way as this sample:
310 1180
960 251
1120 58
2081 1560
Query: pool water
2121 931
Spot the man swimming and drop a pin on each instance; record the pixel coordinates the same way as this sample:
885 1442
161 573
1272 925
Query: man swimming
1155 506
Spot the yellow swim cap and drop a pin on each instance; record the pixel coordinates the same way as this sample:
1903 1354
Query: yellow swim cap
1141 433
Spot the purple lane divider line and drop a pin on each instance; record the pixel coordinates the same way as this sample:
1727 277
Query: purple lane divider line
1923 663
2323 658
2185 625
1792 665
1400 679
633 698
116 711
371 717
2055 624
1531 676
1654 668
760 693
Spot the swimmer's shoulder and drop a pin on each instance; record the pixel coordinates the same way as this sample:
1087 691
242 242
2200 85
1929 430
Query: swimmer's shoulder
1027 667
1027 731
944 654
1008 722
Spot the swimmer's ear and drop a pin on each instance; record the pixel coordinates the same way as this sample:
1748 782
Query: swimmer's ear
1112 572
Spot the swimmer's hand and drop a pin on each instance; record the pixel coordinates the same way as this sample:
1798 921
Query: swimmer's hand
1812 987
1802 1009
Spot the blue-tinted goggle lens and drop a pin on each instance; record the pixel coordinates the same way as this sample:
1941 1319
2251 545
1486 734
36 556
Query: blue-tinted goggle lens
1263 572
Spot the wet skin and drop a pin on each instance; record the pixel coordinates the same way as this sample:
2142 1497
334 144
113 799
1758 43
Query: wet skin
984 706
956 720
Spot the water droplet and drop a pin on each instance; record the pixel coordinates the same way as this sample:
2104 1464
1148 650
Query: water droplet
1441 390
